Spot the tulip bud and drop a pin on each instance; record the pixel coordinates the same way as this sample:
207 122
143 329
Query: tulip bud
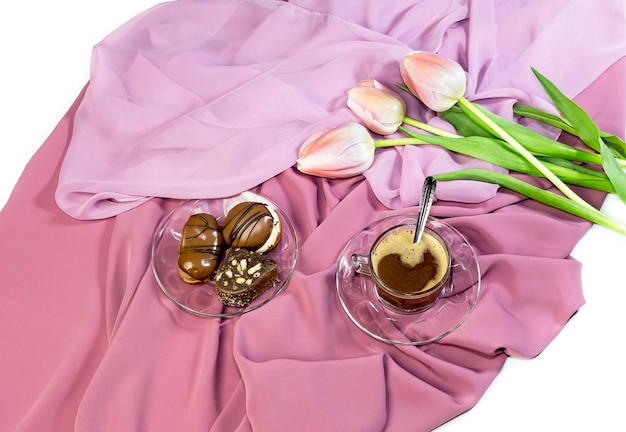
437 81
379 108
341 152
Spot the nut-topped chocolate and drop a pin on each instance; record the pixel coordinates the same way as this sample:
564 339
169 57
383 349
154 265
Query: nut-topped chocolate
253 226
243 276
200 248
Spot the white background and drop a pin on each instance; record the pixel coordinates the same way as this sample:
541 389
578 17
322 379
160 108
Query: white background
576 384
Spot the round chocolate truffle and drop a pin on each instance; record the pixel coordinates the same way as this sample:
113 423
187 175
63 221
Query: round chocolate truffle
200 248
253 226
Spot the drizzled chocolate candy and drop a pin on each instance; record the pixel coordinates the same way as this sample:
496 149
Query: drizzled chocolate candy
200 248
253 226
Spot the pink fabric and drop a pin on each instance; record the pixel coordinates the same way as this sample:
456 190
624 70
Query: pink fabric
210 98
91 344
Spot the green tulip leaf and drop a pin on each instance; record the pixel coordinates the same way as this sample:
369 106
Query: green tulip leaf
543 196
615 143
543 116
403 87
533 141
613 171
463 124
573 166
498 152
585 127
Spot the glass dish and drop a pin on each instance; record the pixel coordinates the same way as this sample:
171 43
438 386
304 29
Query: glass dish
357 292
201 298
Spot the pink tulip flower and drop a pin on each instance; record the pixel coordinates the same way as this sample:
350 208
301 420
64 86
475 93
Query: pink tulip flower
379 108
341 152
437 81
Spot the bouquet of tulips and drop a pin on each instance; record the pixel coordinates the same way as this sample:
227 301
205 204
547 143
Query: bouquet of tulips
440 84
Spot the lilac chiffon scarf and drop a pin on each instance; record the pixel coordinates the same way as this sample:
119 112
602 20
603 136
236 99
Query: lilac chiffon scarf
205 99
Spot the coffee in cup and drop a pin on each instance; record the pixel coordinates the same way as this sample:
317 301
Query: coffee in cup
408 276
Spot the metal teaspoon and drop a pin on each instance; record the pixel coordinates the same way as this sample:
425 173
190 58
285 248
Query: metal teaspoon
426 202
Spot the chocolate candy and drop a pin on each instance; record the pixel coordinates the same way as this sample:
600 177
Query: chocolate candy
243 276
200 248
253 226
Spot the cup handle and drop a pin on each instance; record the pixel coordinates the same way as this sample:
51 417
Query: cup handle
361 264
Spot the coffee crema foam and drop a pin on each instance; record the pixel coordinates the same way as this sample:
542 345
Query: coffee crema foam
401 243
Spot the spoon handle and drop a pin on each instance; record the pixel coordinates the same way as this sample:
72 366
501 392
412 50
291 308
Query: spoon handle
426 202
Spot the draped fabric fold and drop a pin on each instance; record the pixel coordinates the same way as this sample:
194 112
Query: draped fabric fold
92 344
206 99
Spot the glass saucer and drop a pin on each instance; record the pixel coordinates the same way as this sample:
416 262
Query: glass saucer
201 298
358 297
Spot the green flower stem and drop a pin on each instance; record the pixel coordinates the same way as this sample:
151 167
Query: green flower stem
392 142
429 128
551 199
489 150
534 142
468 106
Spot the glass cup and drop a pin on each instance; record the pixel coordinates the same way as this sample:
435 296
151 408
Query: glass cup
409 277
